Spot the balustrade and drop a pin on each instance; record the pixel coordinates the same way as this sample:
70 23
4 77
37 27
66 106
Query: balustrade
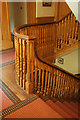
34 47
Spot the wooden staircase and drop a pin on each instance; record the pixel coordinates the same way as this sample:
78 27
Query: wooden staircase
36 47
65 109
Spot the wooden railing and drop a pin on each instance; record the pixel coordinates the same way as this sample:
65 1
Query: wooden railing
39 75
61 35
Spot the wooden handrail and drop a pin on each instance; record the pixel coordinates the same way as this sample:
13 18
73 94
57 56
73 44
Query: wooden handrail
54 66
33 72
36 24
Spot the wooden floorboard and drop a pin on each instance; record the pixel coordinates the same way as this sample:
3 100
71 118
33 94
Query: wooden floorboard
7 75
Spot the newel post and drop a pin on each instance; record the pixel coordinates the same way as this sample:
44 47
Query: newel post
28 68
30 65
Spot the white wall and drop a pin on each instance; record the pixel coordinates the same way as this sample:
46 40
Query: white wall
75 7
71 62
44 11
18 16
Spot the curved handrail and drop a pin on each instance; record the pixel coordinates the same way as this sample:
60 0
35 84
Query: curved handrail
44 61
54 66
15 31
27 37
33 73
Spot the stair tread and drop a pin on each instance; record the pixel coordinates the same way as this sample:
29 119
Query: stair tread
75 105
36 109
67 109
71 107
58 109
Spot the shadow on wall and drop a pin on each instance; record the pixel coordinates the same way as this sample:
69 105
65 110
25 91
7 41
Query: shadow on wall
71 61
18 14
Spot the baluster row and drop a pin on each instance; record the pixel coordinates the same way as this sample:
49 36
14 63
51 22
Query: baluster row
54 83
67 31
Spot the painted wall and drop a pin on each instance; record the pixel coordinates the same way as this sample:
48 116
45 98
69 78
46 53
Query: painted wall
18 14
63 10
71 62
44 11
75 7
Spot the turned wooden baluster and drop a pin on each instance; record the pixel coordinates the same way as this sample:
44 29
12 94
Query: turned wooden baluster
66 86
61 93
58 83
76 30
60 87
21 63
54 80
58 35
38 35
46 78
18 61
71 87
56 87
68 29
42 80
49 33
73 93
36 75
65 30
77 88
63 84
45 34
24 63
75 81
32 59
51 82
16 57
40 32
48 86
42 35
15 38
62 35
59 78
71 26
28 67
39 83
73 31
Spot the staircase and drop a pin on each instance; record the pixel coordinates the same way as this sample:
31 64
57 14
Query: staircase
65 109
36 47
46 109
75 7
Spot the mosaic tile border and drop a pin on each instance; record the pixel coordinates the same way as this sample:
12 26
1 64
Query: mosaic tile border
17 106
7 51
9 93
7 63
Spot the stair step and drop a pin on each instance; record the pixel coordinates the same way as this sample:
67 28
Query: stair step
75 105
36 109
68 110
55 107
71 107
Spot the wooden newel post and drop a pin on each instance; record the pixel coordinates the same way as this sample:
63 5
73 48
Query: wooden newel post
28 68
29 82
